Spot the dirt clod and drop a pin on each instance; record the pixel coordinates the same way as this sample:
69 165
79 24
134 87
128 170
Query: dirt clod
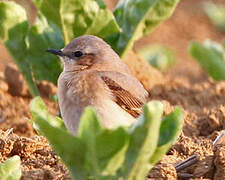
145 73
35 165
164 171
16 83
46 88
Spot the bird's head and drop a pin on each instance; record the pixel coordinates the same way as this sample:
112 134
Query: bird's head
86 52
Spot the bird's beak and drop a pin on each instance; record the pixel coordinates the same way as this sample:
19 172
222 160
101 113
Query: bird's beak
55 51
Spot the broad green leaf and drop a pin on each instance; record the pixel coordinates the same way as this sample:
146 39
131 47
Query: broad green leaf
89 124
14 28
89 128
111 149
86 17
10 169
210 57
218 48
71 149
39 108
105 148
51 10
158 56
110 154
99 152
143 142
216 13
161 11
77 18
41 36
170 130
138 18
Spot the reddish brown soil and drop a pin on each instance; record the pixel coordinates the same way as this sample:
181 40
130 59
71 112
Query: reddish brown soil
186 85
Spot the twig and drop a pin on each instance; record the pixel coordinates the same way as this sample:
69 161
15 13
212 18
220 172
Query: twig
8 132
193 159
187 162
218 138
184 175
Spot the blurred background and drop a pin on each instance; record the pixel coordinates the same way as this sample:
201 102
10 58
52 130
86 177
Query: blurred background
188 22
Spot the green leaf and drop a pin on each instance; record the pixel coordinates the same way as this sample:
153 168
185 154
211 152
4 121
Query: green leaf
158 56
38 107
216 14
210 57
161 11
89 125
86 17
138 18
10 169
111 155
218 48
105 148
99 152
51 10
77 18
170 130
89 128
143 142
71 149
41 36
14 28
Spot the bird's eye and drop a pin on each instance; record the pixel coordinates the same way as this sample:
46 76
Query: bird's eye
78 54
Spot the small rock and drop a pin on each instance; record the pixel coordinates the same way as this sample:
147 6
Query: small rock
16 83
162 171
46 88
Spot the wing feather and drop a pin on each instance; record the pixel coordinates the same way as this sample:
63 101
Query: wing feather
124 98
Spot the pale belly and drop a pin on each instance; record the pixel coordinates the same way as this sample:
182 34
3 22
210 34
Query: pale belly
109 113
112 116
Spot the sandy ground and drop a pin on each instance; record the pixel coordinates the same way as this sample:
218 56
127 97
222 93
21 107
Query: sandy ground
186 85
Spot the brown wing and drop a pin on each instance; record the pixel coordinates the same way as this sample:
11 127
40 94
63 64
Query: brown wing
124 98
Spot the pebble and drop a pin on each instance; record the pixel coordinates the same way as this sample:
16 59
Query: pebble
16 83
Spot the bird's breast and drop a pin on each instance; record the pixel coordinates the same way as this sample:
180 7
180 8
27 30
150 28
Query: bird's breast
75 92
88 90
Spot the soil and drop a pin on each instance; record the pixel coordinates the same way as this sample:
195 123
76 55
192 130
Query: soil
185 85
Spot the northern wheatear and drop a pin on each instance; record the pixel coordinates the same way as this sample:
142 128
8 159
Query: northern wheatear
93 75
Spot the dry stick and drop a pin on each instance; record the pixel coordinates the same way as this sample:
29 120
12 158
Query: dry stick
187 162
193 159
8 132
218 138
184 175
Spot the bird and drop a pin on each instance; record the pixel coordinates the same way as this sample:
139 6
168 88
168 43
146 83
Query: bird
94 75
